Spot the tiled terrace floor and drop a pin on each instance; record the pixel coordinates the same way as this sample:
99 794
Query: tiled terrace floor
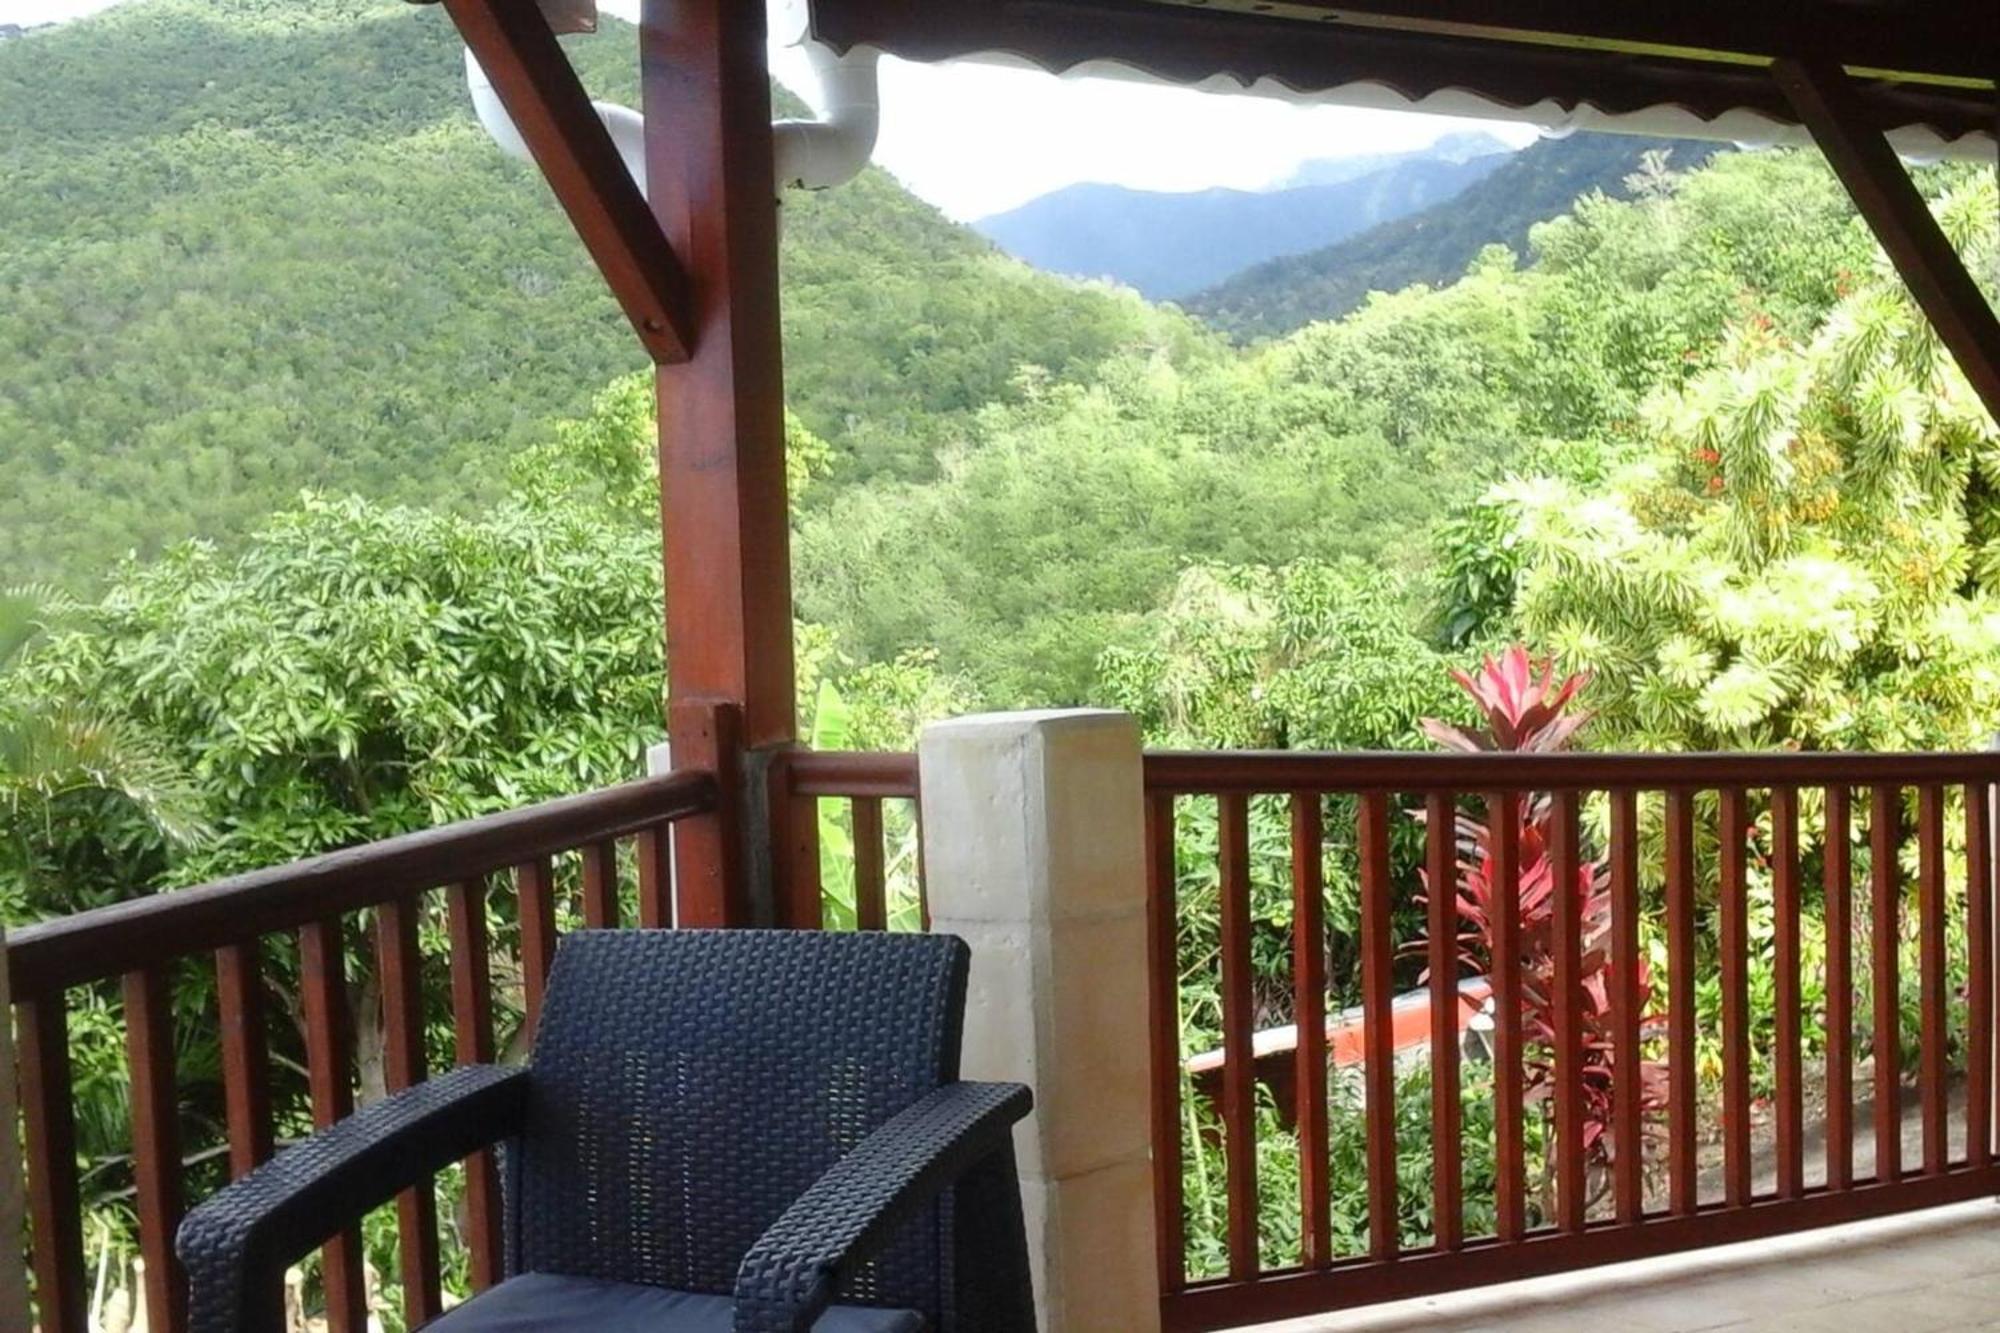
1920 1273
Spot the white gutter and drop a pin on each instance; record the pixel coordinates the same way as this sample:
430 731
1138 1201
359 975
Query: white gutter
807 154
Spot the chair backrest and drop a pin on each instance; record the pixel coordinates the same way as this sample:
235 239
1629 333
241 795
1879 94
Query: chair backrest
688 1085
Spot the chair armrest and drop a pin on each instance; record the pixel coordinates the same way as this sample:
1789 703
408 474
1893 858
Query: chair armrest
237 1245
793 1271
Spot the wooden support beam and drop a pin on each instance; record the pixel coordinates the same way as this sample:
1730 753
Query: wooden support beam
1190 43
1921 42
723 506
1825 100
536 83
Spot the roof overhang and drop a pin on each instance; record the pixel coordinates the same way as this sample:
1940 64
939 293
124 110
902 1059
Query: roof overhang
1924 72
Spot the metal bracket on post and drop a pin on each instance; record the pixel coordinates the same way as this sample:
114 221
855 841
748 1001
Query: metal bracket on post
754 830
771 834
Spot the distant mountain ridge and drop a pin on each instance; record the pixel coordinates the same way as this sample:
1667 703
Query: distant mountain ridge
1168 245
1433 245
1458 146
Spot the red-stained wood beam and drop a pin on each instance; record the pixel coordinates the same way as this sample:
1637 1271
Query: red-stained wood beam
536 83
1827 102
724 512
722 431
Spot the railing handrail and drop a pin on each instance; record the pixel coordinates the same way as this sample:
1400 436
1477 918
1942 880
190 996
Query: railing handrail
864 773
1212 772
106 942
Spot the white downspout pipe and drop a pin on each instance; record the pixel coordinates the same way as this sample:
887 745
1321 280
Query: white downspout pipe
627 127
820 154
807 154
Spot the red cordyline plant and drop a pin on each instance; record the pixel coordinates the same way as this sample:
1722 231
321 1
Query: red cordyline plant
1527 709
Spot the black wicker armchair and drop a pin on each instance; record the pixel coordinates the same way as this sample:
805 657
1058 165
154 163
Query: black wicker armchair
717 1130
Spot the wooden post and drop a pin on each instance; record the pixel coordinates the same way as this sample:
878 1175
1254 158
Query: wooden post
725 523
517 48
1860 155
13 1281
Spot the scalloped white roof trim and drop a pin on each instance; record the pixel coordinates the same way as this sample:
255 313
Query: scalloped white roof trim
791 21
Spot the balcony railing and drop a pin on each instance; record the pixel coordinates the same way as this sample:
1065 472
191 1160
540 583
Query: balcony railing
610 847
1283 888
1680 839
869 801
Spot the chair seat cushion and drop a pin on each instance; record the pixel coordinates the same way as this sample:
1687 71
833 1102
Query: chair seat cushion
552 1303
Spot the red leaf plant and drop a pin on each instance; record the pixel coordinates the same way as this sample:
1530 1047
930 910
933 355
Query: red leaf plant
1526 708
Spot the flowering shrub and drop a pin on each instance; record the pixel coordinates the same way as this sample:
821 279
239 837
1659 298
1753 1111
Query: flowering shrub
1527 709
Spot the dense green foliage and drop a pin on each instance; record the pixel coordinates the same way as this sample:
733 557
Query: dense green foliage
249 246
1435 244
1061 521
1806 551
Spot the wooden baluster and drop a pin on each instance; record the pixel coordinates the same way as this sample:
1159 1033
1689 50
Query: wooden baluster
535 899
1441 891
1239 1101
1979 979
1735 1002
1509 1169
1790 1070
871 897
323 990
1309 1019
1930 974
600 886
1627 1167
1378 1023
1886 889
1839 914
55 1208
156 1144
656 877
246 1056
1164 1017
1682 1184
399 964
1572 1189
472 1033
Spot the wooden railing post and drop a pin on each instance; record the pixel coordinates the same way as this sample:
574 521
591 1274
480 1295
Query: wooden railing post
711 852
793 821
13 1278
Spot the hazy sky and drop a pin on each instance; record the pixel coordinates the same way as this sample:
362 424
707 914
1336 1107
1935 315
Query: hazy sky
976 139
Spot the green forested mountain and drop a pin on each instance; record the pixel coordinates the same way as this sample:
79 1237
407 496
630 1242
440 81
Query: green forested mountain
1435 244
249 246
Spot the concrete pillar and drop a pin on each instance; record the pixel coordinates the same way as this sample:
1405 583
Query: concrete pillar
13 1278
1034 855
